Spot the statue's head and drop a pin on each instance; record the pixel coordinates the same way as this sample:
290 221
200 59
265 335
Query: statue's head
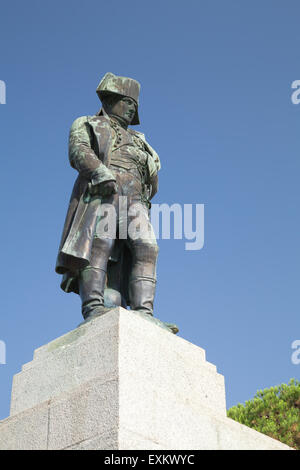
120 106
120 97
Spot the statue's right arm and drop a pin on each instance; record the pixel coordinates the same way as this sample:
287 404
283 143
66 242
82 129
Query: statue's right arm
82 156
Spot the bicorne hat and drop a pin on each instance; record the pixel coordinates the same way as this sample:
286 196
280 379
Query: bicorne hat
122 86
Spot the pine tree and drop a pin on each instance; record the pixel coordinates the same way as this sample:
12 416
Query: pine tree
274 411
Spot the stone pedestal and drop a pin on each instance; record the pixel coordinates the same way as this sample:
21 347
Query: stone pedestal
122 382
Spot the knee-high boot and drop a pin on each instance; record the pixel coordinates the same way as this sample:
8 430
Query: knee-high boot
142 283
91 291
141 294
92 280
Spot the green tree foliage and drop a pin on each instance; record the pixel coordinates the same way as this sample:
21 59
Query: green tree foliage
274 411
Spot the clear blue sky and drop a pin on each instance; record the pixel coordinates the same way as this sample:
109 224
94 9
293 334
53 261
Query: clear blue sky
215 103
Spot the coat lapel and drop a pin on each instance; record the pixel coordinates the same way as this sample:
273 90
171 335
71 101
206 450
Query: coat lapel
103 134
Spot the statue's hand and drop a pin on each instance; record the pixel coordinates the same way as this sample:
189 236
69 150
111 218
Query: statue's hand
107 188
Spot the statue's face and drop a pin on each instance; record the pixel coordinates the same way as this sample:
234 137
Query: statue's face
124 108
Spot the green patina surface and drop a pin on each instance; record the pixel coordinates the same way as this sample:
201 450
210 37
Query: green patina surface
171 327
66 339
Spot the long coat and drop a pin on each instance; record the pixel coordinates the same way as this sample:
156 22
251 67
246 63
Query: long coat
90 143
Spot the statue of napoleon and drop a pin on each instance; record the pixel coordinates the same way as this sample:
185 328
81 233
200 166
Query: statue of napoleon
118 176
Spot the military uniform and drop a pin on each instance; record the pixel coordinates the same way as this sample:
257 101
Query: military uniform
102 150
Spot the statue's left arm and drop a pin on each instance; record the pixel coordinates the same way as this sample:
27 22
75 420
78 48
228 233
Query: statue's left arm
153 167
154 186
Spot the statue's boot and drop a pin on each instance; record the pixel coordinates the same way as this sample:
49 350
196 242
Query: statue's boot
141 293
91 291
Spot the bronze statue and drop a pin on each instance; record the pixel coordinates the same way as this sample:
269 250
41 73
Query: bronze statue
115 164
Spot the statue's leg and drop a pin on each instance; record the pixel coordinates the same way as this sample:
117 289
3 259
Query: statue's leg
113 291
142 281
92 279
144 251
